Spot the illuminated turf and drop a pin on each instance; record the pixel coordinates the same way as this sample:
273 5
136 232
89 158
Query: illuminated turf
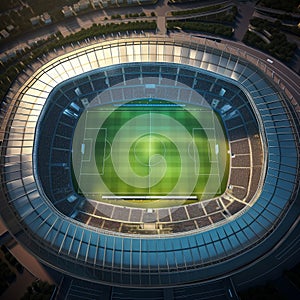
150 148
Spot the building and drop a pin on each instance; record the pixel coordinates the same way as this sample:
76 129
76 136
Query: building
188 251
76 7
81 5
45 17
4 33
10 28
67 11
35 20
104 3
96 3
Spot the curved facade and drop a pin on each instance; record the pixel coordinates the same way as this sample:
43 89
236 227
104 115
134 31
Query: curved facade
137 260
175 82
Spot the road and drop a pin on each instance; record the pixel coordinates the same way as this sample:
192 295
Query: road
276 11
286 76
76 23
246 10
245 13
19 287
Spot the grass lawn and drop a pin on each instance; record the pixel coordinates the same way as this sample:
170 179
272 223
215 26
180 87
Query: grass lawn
151 149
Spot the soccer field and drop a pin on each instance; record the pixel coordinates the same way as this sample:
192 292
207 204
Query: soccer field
151 152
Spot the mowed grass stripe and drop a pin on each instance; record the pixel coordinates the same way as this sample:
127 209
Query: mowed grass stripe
100 147
173 161
202 150
197 121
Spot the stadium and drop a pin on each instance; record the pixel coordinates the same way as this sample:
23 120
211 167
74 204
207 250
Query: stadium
151 163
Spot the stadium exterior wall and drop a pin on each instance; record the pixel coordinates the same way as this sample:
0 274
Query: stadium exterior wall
88 253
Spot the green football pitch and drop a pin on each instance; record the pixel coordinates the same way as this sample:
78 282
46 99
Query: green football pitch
150 153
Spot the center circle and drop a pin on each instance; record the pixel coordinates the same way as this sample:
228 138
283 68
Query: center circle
149 150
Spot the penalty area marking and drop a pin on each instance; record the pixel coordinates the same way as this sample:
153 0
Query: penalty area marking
86 150
104 150
216 152
87 160
207 142
134 197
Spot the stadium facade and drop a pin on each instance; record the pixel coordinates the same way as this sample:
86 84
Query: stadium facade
222 238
